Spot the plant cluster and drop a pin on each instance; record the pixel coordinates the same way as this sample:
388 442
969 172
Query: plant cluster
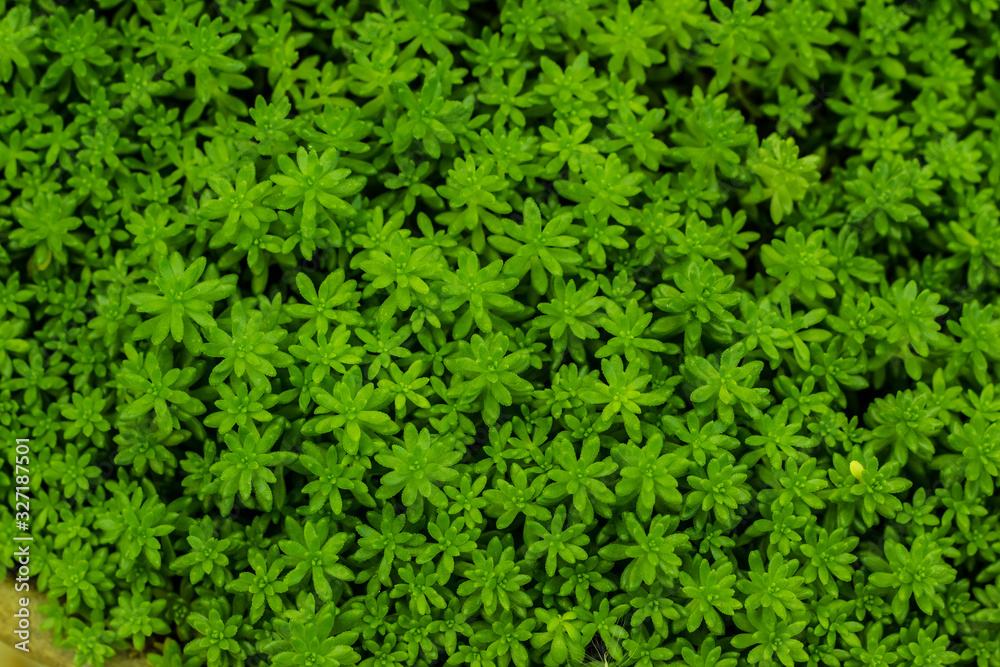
450 332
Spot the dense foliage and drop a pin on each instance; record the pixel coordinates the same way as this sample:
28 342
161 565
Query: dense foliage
429 332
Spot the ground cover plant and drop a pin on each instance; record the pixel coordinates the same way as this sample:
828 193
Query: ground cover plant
540 332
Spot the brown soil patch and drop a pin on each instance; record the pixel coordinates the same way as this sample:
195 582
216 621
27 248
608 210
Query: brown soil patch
42 653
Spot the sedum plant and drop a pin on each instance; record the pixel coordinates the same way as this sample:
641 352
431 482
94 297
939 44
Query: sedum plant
659 333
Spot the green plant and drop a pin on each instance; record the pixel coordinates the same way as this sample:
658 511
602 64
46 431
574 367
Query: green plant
657 333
